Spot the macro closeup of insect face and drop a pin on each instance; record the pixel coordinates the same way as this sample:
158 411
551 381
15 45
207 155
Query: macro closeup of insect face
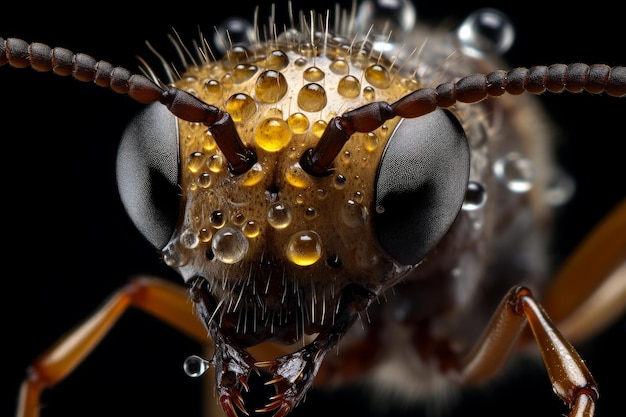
327 217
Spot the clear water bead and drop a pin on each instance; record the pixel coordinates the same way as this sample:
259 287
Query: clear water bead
232 31
486 32
195 366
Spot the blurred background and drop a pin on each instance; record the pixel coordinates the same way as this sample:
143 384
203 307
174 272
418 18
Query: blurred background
69 242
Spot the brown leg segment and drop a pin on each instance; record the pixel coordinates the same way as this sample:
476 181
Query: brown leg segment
594 279
159 298
571 380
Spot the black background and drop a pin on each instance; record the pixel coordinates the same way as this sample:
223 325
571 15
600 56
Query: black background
69 244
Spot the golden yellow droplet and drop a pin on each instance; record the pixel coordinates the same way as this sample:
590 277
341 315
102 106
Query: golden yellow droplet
240 107
227 81
212 91
304 248
276 60
349 86
238 54
313 74
208 141
369 93
360 58
243 72
370 142
300 62
318 128
340 67
271 86
251 229
298 123
296 176
216 163
378 76
252 176
312 97
205 234
272 134
195 161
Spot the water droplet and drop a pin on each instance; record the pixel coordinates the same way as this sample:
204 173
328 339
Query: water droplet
312 97
213 91
385 17
298 123
370 142
251 229
318 128
369 93
378 76
240 106
253 176
172 257
243 72
208 141
279 216
304 248
217 219
189 239
205 234
340 182
194 161
276 60
485 32
297 177
271 86
475 196
353 214
349 86
313 74
515 171
232 31
340 67
229 245
195 366
560 188
272 134
204 180
216 163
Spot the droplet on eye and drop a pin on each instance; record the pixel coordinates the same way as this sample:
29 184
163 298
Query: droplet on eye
475 196
304 248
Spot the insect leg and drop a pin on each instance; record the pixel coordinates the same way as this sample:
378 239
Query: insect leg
570 378
164 300
597 267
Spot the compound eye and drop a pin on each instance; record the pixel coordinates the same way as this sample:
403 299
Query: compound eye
147 173
420 186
